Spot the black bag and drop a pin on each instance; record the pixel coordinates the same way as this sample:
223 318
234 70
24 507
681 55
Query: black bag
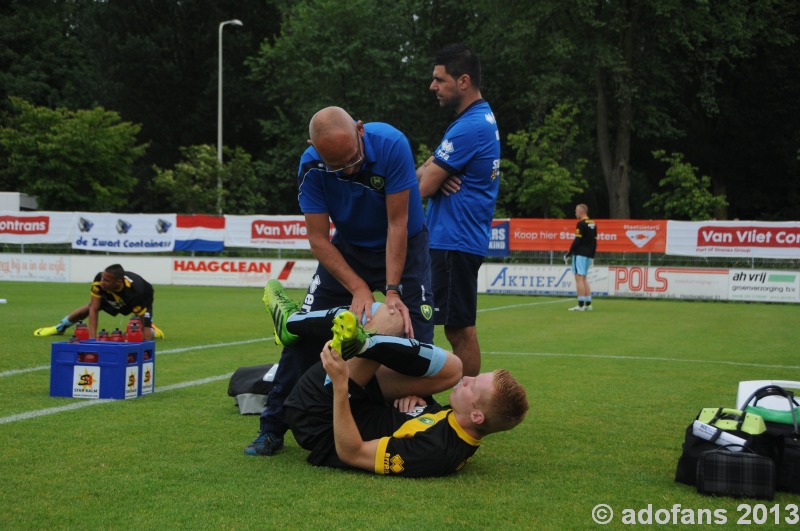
783 436
250 386
721 472
729 420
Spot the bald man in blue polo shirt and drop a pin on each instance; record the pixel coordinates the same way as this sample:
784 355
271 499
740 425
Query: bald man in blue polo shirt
362 178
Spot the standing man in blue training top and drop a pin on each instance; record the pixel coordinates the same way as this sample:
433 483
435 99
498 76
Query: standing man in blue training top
462 180
362 178
582 251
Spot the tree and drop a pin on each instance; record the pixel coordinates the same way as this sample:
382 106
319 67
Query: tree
641 70
748 147
685 196
71 160
191 188
361 55
158 65
41 60
543 177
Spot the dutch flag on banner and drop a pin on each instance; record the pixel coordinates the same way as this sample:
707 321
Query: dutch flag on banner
199 233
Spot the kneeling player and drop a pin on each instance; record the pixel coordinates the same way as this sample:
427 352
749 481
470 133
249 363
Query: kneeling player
114 291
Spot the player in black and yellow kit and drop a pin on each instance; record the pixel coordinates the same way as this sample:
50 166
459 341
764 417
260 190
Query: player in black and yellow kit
115 292
367 412
582 252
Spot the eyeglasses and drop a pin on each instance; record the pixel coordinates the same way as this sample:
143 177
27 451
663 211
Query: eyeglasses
356 163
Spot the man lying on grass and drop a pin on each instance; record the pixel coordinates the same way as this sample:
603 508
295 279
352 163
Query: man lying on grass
367 411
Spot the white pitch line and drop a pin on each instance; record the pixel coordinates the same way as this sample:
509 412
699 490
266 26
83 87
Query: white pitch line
636 358
193 383
51 410
201 347
23 371
216 345
87 403
160 353
523 305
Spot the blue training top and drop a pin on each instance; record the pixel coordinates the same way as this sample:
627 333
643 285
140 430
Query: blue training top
357 203
471 150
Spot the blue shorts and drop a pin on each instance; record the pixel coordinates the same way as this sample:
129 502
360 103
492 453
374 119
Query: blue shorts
580 265
326 292
455 287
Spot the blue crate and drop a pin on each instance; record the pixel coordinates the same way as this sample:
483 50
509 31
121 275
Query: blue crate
75 374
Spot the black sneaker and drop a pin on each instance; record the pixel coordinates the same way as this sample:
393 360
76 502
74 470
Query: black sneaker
265 444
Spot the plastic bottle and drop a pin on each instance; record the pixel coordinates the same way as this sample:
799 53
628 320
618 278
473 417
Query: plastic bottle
103 335
134 334
116 335
81 331
74 339
135 320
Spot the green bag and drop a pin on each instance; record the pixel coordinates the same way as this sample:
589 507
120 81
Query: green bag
783 432
732 419
771 415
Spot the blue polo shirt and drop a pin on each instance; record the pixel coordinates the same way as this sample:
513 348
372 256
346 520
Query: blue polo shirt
357 203
471 150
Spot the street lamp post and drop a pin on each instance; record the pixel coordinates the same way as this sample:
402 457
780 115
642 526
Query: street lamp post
235 22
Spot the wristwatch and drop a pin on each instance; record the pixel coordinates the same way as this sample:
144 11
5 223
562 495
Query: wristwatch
396 287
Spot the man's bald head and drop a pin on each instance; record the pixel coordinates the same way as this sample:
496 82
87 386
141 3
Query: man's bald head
335 136
328 121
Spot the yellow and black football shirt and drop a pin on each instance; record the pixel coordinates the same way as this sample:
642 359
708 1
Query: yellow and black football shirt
585 242
426 442
136 296
432 444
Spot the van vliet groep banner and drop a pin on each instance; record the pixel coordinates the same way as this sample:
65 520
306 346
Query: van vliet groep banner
124 233
269 232
757 239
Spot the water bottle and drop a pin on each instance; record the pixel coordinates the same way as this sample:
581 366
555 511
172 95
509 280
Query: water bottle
116 335
81 331
103 335
74 339
135 320
134 334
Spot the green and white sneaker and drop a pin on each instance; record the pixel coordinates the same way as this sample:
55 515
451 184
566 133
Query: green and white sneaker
280 308
348 335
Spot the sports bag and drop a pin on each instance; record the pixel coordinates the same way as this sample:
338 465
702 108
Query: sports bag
250 386
742 474
782 434
731 422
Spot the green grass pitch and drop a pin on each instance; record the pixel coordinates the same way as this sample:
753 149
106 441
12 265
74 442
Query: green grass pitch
611 393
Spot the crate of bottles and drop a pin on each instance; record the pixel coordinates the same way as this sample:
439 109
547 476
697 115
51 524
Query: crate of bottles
102 369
